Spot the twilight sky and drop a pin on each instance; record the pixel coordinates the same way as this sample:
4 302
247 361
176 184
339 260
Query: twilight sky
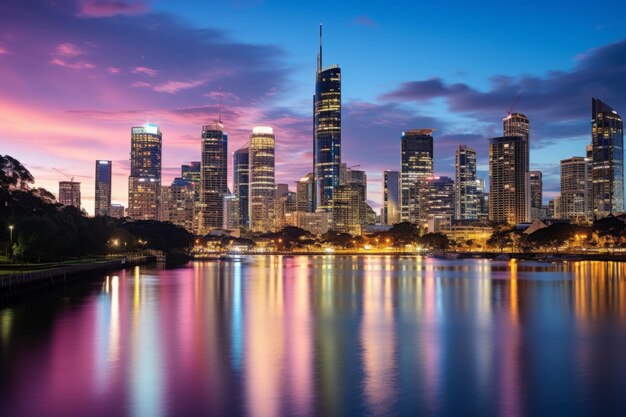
75 75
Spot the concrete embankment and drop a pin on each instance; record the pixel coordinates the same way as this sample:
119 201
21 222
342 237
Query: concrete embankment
21 282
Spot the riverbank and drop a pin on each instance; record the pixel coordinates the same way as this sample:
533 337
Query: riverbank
32 277
540 257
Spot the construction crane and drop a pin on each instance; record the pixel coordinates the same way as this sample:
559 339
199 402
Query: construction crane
354 166
64 174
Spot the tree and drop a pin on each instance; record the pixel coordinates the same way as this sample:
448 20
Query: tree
437 241
13 175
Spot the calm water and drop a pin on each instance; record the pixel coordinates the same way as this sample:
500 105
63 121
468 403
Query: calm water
323 336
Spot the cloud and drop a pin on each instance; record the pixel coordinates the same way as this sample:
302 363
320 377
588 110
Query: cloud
4 51
72 65
173 87
68 50
107 8
366 21
144 70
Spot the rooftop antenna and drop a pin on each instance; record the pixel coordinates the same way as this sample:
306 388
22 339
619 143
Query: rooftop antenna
219 94
514 103
319 56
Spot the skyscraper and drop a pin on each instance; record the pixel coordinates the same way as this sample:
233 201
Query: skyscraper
191 173
213 181
178 203
348 209
262 181
305 193
326 132
144 182
466 185
436 199
103 188
390 212
241 183
69 193
536 194
416 164
517 124
508 180
607 139
232 216
576 190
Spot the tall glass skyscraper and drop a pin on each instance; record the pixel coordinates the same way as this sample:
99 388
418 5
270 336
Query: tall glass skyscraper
607 140
465 184
416 164
390 212
102 203
508 180
144 183
517 124
213 176
262 181
326 132
241 183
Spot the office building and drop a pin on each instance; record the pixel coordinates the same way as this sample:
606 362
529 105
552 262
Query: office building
348 210
178 203
509 180
144 182
326 132
416 165
69 193
262 181
117 211
607 140
232 217
390 211
437 199
466 184
576 202
241 183
213 180
305 194
102 202
536 194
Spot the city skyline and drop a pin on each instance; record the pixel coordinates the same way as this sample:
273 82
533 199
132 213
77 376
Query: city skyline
106 91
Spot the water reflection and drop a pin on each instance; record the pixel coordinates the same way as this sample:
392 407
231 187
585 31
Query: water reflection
305 336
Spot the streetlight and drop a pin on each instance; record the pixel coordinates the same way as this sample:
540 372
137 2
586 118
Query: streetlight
11 234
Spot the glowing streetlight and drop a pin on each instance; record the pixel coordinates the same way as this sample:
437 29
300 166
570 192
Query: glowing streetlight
11 234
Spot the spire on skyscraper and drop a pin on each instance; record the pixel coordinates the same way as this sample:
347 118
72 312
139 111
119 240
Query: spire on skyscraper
319 55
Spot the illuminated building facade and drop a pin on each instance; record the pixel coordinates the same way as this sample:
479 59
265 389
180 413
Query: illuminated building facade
102 202
416 165
436 199
305 194
69 193
536 194
607 140
213 180
178 203
466 184
348 211
508 180
390 212
241 183
144 183
326 132
575 202
262 181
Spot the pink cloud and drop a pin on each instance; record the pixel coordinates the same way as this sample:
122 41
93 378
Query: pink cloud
4 51
107 8
114 70
144 70
140 84
173 87
72 65
68 50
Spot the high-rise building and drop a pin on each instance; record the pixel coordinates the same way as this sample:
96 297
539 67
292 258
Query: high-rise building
416 165
576 190
102 202
191 173
262 181
508 180
241 183
436 199
536 194
117 211
483 200
607 139
348 210
69 193
305 193
390 212
232 216
517 124
144 182
326 132
281 189
213 180
178 203
466 185
285 205
316 223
